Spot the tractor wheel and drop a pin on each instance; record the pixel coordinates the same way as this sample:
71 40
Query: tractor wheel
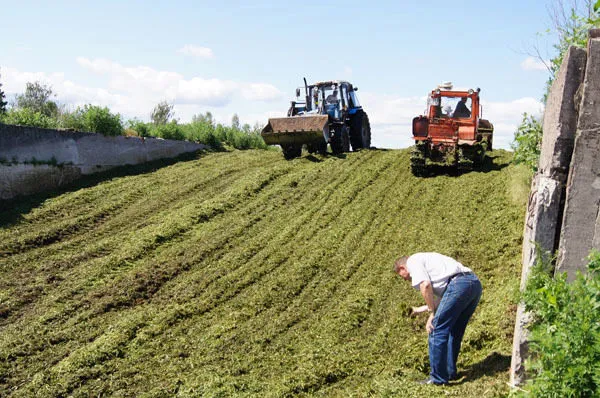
417 160
319 148
341 141
465 159
291 151
360 131
479 153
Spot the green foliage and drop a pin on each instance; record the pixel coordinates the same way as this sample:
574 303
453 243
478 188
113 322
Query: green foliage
35 109
100 120
162 113
169 131
142 129
203 130
29 117
241 274
572 30
527 142
565 334
37 99
94 119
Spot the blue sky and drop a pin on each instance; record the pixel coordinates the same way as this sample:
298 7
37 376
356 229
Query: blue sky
248 57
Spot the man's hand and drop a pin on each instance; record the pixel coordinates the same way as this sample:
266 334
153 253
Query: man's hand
429 325
417 310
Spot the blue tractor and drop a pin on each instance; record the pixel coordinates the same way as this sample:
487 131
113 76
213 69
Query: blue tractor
329 113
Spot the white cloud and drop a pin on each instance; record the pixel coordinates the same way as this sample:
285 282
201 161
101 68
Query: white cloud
531 63
195 51
134 91
261 92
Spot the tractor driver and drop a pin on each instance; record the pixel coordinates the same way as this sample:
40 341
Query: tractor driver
333 97
461 110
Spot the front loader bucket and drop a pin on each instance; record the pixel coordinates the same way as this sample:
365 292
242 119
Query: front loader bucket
296 130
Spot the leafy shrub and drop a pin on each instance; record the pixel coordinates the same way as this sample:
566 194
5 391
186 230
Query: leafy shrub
169 131
101 120
204 132
94 119
29 117
140 127
72 120
527 143
565 334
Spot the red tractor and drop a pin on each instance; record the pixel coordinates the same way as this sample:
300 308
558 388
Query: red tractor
453 132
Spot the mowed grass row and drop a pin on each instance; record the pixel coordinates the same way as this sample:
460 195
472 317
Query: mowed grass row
242 274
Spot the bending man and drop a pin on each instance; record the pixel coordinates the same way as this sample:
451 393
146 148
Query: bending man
458 290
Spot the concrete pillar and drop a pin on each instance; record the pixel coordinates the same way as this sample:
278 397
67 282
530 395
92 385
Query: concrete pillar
542 221
578 234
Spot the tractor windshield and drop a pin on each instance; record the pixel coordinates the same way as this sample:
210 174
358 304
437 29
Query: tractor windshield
325 99
452 107
331 94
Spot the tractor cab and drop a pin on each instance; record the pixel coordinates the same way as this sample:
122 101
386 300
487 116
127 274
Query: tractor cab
337 99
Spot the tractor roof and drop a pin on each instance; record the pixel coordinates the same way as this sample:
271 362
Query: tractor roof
330 82
455 91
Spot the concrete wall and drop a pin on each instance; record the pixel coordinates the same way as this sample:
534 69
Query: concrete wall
581 210
563 214
35 160
544 210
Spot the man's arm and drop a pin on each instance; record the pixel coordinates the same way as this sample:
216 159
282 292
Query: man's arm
427 293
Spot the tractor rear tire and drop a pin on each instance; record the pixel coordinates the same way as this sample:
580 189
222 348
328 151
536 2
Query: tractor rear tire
291 151
341 141
360 131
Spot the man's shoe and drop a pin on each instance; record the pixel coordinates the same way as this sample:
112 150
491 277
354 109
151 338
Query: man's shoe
429 380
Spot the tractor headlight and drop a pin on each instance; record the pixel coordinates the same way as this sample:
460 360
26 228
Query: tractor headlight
471 91
438 91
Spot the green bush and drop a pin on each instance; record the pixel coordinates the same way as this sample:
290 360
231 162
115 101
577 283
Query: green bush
100 120
527 143
92 119
565 334
29 117
169 131
140 127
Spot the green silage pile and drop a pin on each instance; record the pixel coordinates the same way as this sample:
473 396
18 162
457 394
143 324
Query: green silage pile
242 274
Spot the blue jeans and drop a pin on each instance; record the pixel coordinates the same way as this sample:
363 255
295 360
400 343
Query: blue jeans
454 311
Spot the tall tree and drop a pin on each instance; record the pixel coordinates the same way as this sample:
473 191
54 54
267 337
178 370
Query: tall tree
162 113
235 121
3 103
37 97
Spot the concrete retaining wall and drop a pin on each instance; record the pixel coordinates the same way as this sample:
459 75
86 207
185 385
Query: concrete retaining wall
35 160
563 214
583 188
544 210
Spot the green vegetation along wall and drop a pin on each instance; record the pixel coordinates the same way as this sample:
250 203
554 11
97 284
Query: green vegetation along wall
242 274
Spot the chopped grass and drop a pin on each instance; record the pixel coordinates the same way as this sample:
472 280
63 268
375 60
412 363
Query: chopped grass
242 274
